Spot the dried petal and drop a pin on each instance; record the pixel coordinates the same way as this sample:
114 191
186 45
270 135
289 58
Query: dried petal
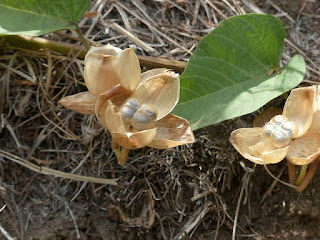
266 116
315 126
162 91
251 144
105 67
172 131
133 140
123 136
305 149
299 108
118 95
104 50
99 73
128 67
151 73
83 102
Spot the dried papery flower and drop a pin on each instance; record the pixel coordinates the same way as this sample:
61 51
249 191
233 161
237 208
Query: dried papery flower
161 90
108 66
139 116
280 130
294 135
284 130
105 68
142 118
134 107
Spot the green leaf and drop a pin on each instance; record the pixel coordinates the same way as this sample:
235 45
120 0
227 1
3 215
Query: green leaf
227 75
37 17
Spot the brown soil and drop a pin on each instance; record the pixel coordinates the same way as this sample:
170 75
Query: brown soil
191 192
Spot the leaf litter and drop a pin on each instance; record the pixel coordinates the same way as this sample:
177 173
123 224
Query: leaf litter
200 191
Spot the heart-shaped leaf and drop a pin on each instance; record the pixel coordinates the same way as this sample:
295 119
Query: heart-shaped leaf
37 17
229 74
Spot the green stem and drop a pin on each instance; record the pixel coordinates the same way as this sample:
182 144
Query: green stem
123 155
302 174
83 40
39 43
117 151
309 175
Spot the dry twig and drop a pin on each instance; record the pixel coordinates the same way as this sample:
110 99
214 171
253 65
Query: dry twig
55 173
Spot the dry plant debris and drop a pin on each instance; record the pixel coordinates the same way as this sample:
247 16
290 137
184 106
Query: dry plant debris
197 191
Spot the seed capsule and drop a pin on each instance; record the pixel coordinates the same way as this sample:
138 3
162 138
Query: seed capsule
279 135
144 117
139 116
280 130
268 128
128 109
290 127
278 119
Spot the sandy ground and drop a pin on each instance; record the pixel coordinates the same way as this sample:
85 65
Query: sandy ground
201 191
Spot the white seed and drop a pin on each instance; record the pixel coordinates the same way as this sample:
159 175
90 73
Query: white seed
279 135
152 115
291 127
127 112
129 108
280 130
141 117
144 117
133 102
278 120
268 128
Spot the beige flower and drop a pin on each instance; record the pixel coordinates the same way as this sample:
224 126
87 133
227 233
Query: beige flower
108 66
134 107
294 135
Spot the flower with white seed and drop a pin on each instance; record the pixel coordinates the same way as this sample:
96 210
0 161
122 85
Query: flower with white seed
294 135
133 106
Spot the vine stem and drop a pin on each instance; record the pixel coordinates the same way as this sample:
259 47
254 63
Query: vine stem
82 38
39 43
302 174
123 155
308 176
121 152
